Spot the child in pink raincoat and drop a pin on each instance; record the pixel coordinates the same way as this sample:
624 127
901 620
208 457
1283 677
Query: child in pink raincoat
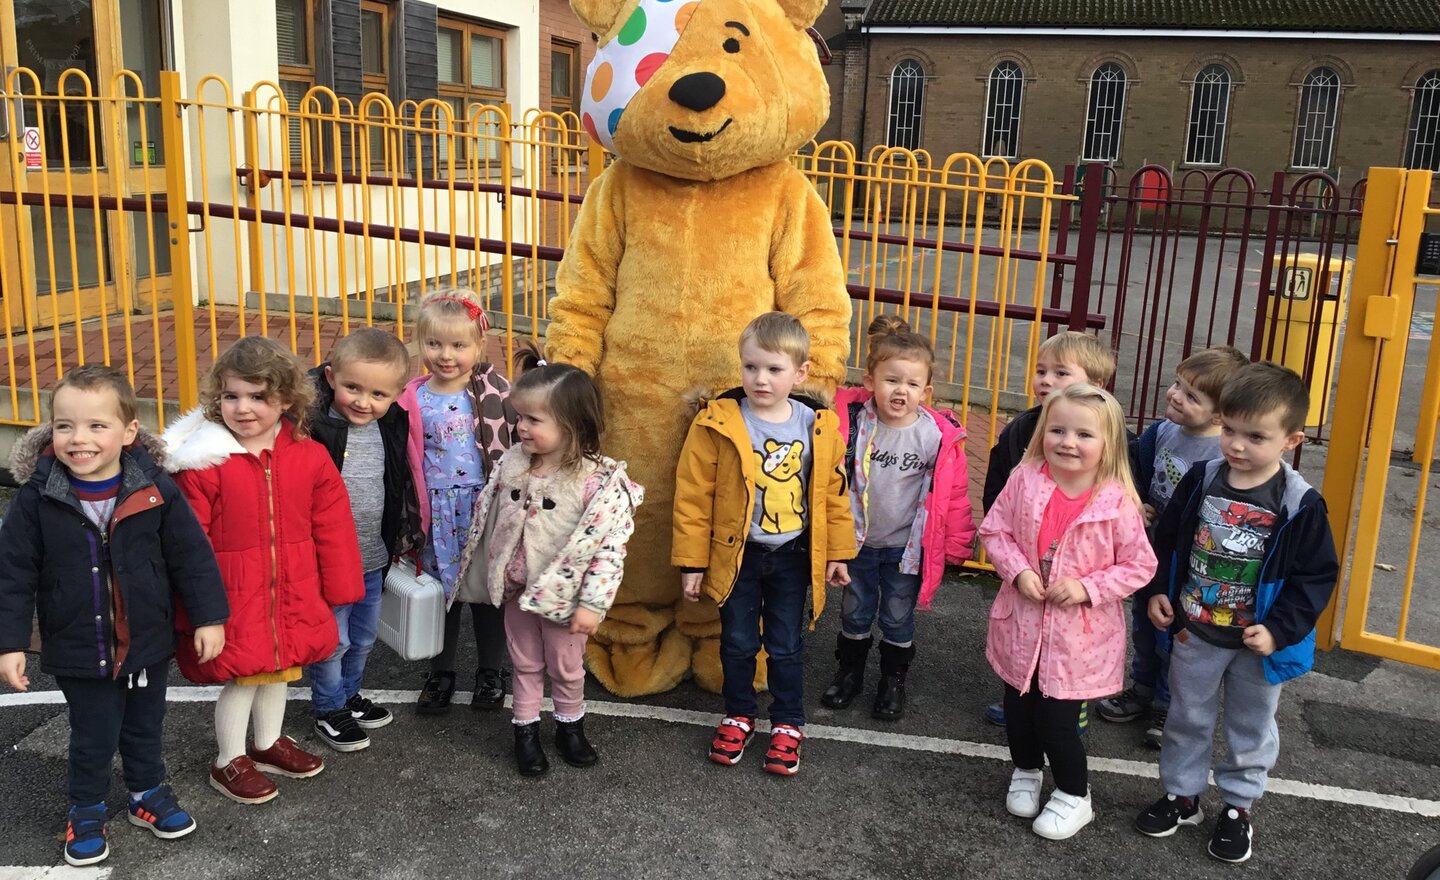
1068 541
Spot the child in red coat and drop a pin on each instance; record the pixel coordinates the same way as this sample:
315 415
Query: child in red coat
277 514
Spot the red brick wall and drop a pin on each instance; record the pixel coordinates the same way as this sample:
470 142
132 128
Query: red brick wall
1374 111
557 21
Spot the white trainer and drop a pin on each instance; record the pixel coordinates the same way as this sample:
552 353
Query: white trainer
1064 814
1023 799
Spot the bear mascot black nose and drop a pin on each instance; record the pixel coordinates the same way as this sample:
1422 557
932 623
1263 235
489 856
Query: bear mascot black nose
698 91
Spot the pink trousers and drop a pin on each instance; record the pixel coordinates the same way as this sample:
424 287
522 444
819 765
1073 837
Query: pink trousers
538 646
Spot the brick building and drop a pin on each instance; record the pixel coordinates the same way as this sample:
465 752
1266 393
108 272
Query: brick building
1296 85
566 48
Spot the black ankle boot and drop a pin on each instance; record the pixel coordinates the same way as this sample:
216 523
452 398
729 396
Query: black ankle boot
572 745
849 679
890 696
489 689
529 756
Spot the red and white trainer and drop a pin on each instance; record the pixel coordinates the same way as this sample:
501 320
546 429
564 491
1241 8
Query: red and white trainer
783 756
731 738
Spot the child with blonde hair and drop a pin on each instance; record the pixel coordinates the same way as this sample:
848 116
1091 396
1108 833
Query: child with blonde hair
908 482
461 422
1068 542
276 512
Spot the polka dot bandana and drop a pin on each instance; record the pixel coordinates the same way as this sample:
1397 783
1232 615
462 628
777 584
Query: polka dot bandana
623 65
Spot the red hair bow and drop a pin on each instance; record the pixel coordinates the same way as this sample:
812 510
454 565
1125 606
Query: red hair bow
474 311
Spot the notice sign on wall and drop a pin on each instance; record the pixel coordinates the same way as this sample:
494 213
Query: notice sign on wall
34 158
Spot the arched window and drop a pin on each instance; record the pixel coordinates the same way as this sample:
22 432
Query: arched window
1315 120
907 104
1003 96
1422 141
1209 113
1106 114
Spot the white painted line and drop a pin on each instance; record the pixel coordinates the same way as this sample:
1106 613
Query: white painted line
51 872
987 751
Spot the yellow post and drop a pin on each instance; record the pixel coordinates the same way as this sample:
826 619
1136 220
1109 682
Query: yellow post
251 123
182 291
1357 371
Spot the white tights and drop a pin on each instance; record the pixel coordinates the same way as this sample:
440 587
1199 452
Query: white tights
236 706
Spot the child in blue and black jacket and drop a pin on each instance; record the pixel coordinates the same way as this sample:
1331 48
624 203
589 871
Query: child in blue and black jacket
1247 564
100 541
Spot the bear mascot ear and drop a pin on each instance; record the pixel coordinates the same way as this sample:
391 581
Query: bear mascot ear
599 15
802 13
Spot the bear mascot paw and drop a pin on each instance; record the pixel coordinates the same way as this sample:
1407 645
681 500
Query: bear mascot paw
699 225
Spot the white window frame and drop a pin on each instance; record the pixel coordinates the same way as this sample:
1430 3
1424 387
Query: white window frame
1315 120
1422 137
906 104
1210 95
1004 108
1105 103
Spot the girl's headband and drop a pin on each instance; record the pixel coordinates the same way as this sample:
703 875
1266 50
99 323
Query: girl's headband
476 313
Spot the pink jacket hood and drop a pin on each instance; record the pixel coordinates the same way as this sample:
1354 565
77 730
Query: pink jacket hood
1079 651
949 532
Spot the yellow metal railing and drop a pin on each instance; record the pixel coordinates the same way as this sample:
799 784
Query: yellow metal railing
1376 599
159 228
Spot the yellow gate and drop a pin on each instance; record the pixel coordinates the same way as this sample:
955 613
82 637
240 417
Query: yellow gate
1388 398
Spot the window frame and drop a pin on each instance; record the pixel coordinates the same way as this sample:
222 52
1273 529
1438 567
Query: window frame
572 49
301 75
1015 83
1116 134
1200 87
1426 90
470 95
377 82
915 82
1327 117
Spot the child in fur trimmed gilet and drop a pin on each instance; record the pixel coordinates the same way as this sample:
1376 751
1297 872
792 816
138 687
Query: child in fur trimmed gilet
547 544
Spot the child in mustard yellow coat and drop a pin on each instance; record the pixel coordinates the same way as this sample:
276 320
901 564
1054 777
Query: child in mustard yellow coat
763 522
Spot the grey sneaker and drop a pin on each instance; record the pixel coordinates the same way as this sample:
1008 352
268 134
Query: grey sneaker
1124 706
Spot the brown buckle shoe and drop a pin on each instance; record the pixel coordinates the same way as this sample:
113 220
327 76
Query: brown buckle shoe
287 759
241 782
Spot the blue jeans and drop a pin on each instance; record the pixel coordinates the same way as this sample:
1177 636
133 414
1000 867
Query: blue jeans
1150 666
337 678
772 586
876 583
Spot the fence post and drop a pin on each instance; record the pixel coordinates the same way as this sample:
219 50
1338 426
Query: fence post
1091 200
250 122
507 234
1273 210
182 286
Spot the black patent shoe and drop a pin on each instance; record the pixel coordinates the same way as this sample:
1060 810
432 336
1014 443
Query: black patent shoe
435 695
489 690
844 688
572 745
530 757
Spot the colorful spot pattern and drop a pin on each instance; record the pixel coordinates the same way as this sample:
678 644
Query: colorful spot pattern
624 64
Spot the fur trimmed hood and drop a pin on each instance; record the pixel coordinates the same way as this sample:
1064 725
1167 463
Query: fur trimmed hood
25 455
195 443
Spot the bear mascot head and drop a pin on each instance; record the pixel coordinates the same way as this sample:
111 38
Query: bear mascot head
699 225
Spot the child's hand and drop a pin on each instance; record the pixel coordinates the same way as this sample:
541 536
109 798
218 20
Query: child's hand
12 670
690 583
1030 586
209 641
584 622
1259 639
1067 591
1160 612
1148 511
837 574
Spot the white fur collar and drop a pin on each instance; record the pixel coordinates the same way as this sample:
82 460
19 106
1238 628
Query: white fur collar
195 443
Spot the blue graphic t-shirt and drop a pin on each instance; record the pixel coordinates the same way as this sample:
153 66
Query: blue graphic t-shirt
1227 555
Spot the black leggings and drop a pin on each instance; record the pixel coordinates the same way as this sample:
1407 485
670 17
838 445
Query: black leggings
489 623
1039 727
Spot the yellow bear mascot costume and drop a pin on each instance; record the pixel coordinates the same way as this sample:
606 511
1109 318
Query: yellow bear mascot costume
699 225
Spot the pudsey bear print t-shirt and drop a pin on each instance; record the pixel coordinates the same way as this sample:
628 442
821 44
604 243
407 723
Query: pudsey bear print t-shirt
782 473
1226 557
